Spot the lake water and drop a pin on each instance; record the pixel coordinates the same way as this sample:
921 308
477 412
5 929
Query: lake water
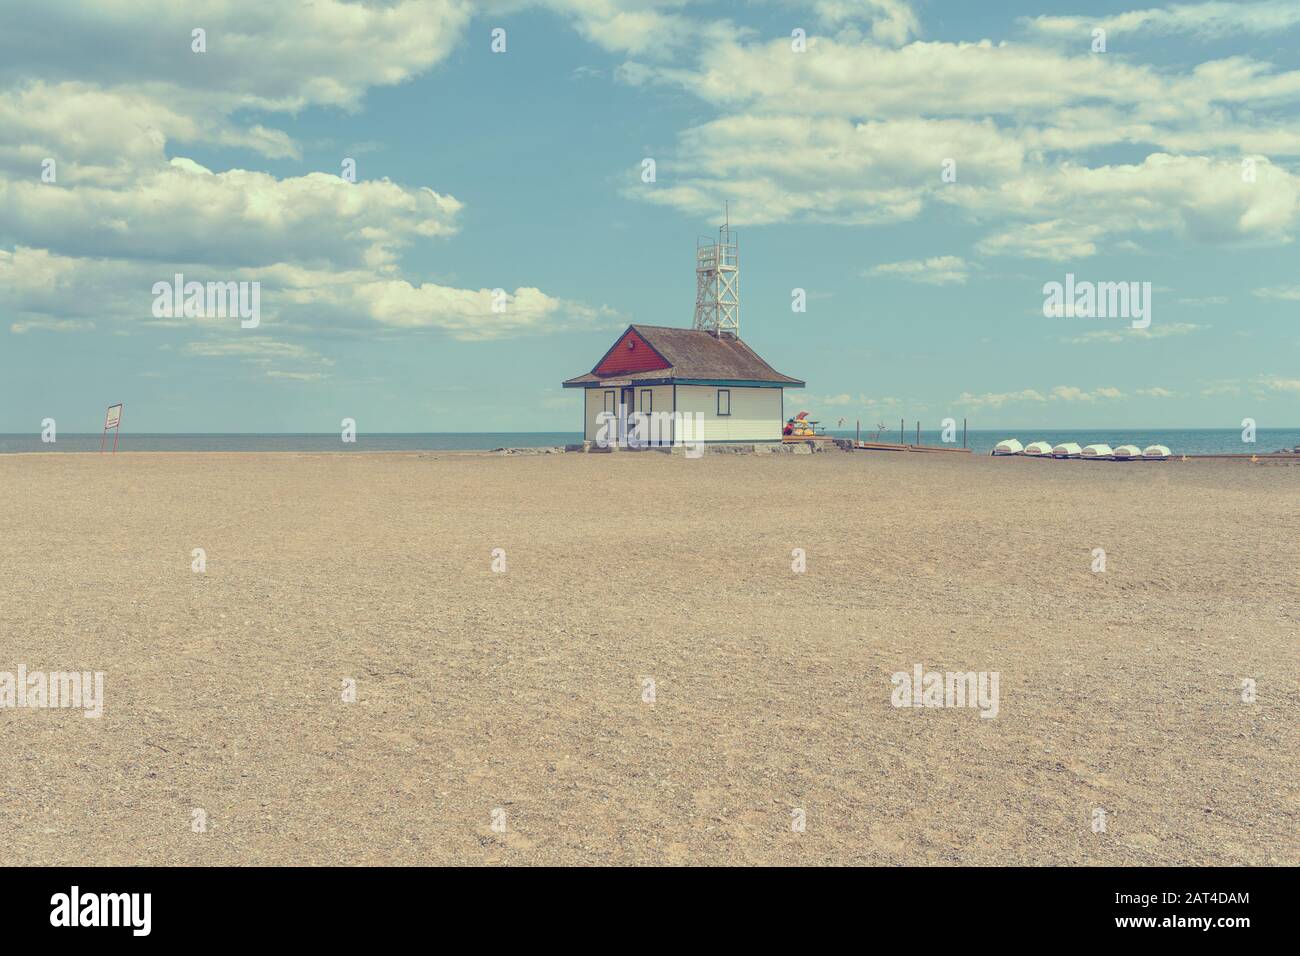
432 441
1190 441
1181 441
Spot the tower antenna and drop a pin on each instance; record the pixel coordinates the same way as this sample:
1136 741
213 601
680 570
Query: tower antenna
717 280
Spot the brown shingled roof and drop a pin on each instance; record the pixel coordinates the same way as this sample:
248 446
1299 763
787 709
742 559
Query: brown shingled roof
695 356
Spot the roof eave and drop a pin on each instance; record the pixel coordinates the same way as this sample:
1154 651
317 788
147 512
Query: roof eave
583 382
739 382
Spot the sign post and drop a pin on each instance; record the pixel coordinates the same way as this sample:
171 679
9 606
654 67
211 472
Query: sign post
113 420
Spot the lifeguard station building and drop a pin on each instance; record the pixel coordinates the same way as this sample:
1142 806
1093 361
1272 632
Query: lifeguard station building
652 368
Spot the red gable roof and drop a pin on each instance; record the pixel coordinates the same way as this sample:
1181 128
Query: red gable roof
661 354
631 353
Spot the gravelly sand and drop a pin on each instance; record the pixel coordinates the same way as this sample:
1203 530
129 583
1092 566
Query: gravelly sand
523 690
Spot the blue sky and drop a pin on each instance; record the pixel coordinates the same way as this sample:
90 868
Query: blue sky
521 171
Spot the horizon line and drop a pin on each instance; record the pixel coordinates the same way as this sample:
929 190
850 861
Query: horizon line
911 427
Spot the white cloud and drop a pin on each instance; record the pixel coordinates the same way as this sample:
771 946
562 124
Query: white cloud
856 133
1277 384
1190 197
50 325
844 398
296 376
258 348
937 270
657 29
278 55
853 78
1205 20
824 169
866 403
998 399
1222 388
892 21
470 314
266 353
1287 293
1062 393
49 291
182 212
106 137
1056 240
853 131
1071 393
125 210
1128 334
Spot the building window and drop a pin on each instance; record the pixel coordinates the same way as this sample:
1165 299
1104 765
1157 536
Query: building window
647 400
609 401
724 401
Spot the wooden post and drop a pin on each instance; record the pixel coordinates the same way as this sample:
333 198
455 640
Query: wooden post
918 433
963 433
901 439
858 433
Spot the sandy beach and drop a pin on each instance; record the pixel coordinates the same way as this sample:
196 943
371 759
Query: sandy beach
520 696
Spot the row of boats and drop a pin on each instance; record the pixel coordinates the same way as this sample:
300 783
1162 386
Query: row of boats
1098 452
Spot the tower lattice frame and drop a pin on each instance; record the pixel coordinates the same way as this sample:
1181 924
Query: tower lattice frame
717 282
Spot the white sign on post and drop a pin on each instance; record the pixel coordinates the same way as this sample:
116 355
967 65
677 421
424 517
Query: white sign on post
113 420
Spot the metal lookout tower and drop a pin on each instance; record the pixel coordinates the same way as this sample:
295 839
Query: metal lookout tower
717 282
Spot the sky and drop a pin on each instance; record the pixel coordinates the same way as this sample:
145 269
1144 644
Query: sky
920 170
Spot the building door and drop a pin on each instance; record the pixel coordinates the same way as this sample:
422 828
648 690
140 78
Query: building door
627 398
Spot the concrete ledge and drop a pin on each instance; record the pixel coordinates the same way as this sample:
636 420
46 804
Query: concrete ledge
737 449
719 448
